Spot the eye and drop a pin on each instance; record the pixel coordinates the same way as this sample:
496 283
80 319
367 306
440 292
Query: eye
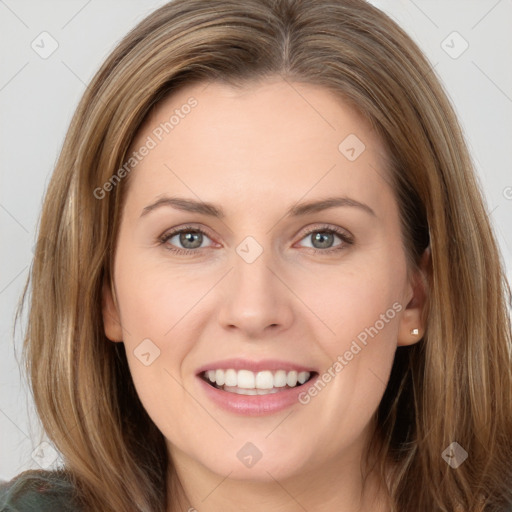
190 238
323 238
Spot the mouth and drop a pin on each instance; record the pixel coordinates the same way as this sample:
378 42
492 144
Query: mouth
247 382
255 388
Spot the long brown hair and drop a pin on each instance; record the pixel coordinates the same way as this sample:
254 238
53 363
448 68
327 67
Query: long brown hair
455 385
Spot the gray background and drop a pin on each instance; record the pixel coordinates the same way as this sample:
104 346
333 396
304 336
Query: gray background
38 96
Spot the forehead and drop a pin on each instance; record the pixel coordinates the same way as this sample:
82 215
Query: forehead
274 139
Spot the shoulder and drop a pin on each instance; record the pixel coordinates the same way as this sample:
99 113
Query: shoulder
50 491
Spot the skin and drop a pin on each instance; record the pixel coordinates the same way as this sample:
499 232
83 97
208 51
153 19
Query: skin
256 151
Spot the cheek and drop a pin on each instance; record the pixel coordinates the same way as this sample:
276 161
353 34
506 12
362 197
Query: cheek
156 299
360 302
361 308
153 311
361 350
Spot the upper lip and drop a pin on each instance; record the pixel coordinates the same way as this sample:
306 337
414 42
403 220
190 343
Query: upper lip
254 366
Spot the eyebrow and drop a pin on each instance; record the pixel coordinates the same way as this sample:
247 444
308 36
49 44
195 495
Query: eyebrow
213 210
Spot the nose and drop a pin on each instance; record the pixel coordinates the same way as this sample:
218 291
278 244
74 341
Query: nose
257 302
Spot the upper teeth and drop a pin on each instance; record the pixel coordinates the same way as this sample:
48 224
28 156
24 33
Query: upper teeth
256 380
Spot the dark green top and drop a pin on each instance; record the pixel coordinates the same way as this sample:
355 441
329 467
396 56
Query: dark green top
42 491
38 491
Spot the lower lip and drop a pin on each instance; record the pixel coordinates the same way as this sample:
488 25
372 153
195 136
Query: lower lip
255 405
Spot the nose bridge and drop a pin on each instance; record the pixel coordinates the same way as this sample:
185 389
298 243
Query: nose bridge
252 271
255 297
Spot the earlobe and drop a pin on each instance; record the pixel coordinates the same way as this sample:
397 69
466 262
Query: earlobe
111 319
412 328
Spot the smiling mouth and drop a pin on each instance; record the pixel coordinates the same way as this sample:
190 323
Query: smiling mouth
246 382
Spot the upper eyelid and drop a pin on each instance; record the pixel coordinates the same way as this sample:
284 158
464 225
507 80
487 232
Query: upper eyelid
326 227
337 230
176 231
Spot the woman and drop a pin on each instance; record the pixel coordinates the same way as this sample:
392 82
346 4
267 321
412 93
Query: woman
188 352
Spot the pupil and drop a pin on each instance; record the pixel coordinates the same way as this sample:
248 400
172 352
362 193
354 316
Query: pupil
188 237
322 238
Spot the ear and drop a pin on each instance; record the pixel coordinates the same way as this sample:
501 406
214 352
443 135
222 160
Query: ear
412 323
111 318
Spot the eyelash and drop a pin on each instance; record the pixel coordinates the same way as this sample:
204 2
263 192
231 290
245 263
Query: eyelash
346 239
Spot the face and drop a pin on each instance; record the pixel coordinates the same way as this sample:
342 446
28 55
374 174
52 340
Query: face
223 273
